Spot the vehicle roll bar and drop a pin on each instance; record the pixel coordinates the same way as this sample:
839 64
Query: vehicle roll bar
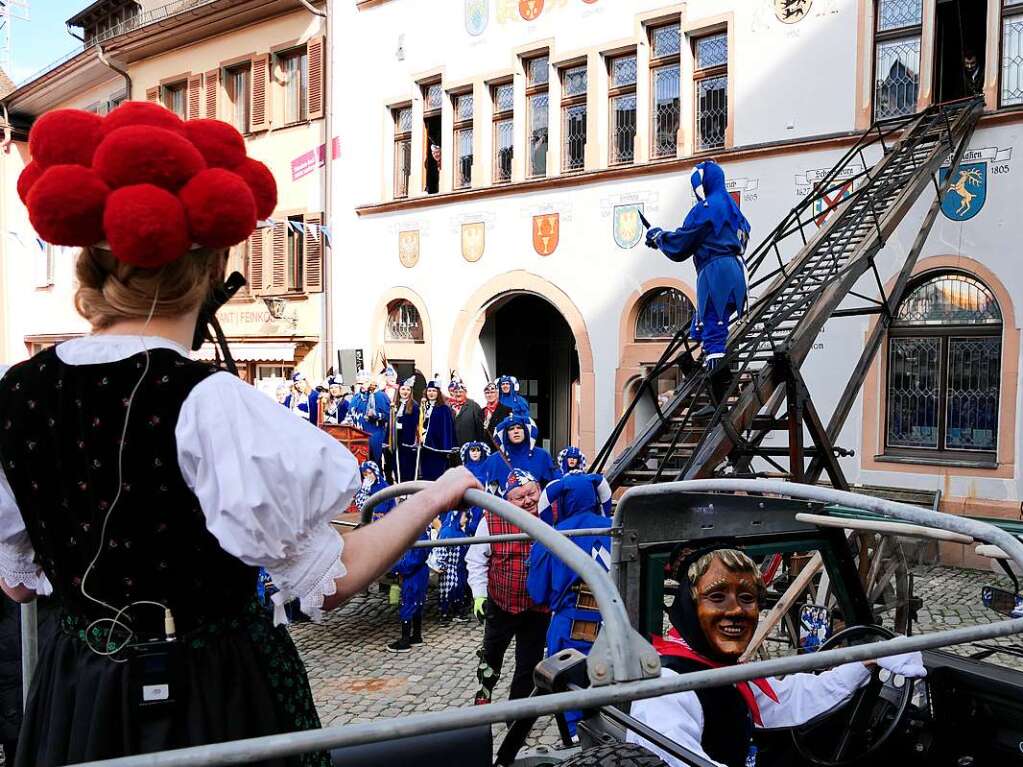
620 654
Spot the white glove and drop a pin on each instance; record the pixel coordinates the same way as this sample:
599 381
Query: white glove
909 665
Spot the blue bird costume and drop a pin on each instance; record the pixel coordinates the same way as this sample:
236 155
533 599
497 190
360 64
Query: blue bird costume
512 400
479 470
371 412
576 498
526 455
371 486
715 235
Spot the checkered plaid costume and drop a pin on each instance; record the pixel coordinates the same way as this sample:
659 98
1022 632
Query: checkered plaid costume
509 566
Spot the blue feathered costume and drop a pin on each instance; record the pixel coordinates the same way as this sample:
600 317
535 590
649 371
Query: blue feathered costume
715 235
574 622
525 455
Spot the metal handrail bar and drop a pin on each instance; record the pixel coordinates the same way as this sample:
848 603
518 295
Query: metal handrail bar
508 538
291 744
620 654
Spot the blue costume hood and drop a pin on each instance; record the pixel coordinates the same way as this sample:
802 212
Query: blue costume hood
476 467
501 435
713 202
575 495
512 400
571 452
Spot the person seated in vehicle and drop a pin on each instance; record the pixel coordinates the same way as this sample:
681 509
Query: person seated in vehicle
497 577
575 621
713 618
517 449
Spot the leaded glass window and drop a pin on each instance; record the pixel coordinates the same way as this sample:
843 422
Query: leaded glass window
537 114
573 118
402 150
538 70
622 96
944 369
575 82
463 104
663 313
711 75
897 57
504 131
666 41
433 97
403 322
1012 54
897 14
504 97
667 111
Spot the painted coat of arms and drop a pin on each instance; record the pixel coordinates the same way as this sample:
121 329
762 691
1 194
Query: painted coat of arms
474 241
546 228
530 9
967 193
791 11
825 205
408 248
736 194
477 16
628 230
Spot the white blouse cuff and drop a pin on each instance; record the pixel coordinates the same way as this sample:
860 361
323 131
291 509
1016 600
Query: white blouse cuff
309 577
15 571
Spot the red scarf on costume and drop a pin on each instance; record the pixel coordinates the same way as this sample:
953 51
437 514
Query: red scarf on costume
674 645
456 407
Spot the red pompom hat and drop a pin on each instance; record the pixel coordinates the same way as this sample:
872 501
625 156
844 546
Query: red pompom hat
142 182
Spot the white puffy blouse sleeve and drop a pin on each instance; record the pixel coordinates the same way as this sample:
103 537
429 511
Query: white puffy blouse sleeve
17 557
268 484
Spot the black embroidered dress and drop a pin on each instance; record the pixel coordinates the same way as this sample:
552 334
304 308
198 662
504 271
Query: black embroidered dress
198 513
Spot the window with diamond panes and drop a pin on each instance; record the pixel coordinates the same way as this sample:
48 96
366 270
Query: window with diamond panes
504 127
944 370
711 79
573 118
463 104
1012 53
403 322
402 149
665 82
897 57
537 114
663 313
622 96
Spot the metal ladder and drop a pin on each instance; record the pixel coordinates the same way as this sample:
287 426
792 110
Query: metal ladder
835 244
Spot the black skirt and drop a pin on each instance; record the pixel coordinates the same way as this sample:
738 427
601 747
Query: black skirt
235 678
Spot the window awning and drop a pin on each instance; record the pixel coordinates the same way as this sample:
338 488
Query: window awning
251 352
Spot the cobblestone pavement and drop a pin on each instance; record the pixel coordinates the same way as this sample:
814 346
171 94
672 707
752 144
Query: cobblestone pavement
354 679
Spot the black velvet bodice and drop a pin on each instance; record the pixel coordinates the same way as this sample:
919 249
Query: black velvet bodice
60 433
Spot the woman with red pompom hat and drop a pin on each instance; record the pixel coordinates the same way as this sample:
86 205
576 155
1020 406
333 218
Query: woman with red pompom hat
175 482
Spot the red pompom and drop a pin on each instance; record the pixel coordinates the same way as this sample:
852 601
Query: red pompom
261 182
145 226
219 143
142 113
29 175
65 205
140 154
65 137
220 208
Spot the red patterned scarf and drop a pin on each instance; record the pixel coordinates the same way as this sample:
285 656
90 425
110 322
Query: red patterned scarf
674 645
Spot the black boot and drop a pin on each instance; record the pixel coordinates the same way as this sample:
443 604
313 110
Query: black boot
403 644
417 630
720 378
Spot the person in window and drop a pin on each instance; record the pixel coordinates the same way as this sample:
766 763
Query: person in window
468 415
432 166
494 411
973 77
715 235
713 619
436 433
516 437
574 502
497 577
370 410
177 481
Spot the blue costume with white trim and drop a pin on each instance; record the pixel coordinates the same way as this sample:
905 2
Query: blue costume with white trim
371 486
451 559
371 412
576 499
415 577
525 455
479 470
512 400
548 508
715 235
304 405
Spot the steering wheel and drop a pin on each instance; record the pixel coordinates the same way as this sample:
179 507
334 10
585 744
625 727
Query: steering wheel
859 727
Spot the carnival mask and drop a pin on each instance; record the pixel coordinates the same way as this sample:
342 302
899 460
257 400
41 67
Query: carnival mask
728 609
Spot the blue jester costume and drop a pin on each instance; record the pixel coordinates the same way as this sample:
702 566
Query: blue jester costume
525 455
372 483
479 470
371 412
451 561
574 618
715 235
512 399
414 576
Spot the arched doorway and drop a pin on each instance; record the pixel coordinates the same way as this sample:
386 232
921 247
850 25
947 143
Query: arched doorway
525 336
